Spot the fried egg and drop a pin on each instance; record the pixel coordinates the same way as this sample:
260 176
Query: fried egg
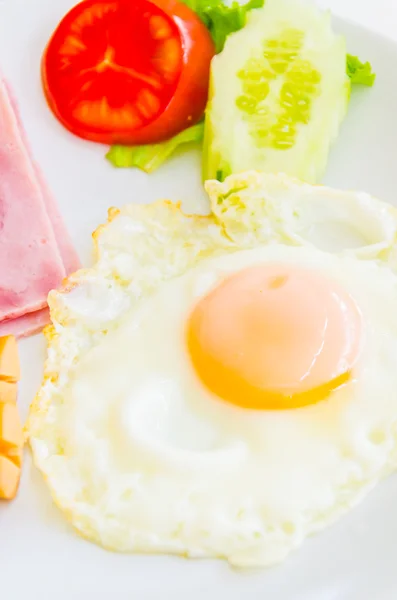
224 386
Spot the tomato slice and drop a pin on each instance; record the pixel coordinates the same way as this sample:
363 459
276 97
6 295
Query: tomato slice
128 71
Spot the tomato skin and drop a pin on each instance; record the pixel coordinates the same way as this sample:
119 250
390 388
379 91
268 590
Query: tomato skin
185 107
188 104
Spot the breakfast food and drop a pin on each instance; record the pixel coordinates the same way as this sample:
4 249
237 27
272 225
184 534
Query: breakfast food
151 156
127 72
35 250
8 391
278 93
26 325
9 364
136 75
142 440
11 436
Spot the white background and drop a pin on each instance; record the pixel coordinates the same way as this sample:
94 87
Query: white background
379 15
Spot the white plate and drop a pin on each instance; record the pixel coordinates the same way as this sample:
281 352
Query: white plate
40 557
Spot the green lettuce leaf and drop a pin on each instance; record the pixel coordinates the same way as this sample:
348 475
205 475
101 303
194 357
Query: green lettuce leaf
359 72
221 19
150 157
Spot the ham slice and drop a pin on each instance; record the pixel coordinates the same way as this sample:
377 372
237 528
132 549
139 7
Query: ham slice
28 324
67 251
36 252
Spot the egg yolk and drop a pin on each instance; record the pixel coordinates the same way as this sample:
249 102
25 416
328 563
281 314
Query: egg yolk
274 337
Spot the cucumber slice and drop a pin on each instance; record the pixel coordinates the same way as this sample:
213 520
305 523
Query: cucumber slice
278 93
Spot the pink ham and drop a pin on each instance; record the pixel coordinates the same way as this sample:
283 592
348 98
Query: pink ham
67 251
28 324
36 252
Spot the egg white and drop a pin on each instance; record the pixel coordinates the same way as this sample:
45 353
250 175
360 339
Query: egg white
138 454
